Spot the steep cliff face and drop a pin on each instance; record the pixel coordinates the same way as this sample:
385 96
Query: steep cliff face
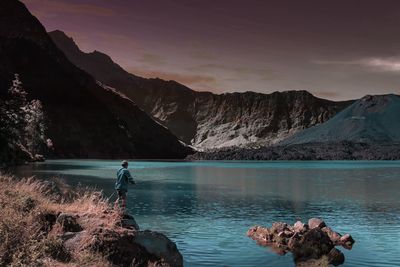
85 118
261 119
203 119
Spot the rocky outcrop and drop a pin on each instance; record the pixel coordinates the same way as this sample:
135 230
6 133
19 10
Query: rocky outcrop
203 119
83 230
122 245
311 244
85 119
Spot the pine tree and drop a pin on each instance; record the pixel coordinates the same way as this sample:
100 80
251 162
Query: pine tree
4 134
35 127
22 125
15 110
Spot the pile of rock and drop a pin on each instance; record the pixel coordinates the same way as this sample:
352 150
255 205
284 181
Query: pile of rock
307 242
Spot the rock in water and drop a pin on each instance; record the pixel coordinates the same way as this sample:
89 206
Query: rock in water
300 227
316 222
346 241
311 245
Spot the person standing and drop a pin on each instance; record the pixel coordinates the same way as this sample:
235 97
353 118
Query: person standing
124 178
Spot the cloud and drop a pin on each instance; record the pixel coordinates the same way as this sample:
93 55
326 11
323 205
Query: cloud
373 63
47 8
391 65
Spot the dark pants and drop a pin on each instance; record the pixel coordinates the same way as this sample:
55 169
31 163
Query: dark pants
121 200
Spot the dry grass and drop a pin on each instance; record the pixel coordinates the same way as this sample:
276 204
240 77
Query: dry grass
27 235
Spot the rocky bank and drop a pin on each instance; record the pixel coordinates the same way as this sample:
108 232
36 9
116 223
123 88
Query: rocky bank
343 150
48 224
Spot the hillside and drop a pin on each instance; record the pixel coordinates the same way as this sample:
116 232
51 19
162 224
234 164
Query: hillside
85 119
371 119
203 119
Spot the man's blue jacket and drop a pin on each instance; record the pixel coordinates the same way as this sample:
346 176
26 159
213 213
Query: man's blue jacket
123 178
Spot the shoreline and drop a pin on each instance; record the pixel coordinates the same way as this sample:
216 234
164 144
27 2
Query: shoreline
49 223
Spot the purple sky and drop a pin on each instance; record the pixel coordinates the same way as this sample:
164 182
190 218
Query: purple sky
335 49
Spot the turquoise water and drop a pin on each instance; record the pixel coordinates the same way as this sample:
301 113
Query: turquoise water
207 207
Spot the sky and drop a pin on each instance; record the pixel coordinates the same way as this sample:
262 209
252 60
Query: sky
341 49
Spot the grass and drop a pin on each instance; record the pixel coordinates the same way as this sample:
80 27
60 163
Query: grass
29 234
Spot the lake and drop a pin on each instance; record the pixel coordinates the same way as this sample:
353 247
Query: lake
207 207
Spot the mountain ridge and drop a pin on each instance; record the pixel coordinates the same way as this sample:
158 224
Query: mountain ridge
85 119
203 119
371 119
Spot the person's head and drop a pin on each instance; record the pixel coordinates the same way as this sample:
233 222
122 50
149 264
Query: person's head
124 164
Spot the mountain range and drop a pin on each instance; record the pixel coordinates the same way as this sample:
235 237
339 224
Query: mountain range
96 109
369 129
203 119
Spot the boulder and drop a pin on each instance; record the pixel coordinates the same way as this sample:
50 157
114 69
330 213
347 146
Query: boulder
159 245
300 227
72 240
316 222
312 245
135 248
278 227
335 257
346 241
334 236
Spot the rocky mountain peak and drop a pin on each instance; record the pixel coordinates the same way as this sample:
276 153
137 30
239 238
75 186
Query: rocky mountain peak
65 41
375 103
